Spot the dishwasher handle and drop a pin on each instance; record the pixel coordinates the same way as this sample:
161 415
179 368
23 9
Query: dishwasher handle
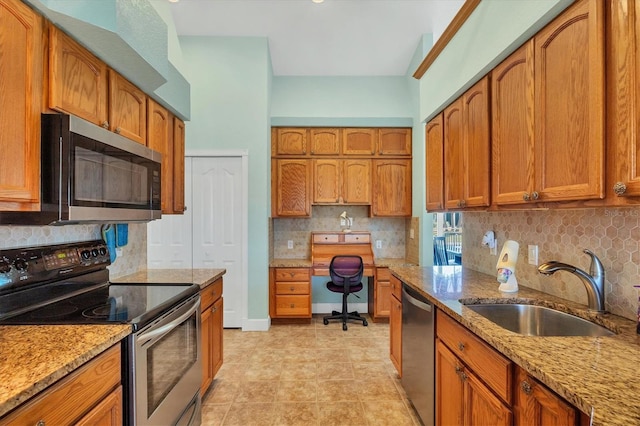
415 302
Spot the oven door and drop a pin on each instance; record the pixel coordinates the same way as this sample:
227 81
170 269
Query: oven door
168 368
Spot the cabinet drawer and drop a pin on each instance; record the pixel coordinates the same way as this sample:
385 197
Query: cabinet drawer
65 402
493 368
383 274
356 238
292 288
293 306
292 274
396 287
210 294
326 238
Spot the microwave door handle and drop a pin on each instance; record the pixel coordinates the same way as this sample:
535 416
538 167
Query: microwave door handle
145 337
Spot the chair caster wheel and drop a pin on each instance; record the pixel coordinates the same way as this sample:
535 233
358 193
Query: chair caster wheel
325 321
365 323
344 327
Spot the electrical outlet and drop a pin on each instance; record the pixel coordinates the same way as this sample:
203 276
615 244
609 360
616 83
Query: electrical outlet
343 222
494 250
412 234
290 244
378 244
533 255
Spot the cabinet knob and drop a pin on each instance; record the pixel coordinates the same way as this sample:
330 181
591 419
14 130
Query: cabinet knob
291 288
105 124
118 130
619 188
184 209
526 196
41 423
458 369
213 310
526 387
461 346
535 195
463 376
292 305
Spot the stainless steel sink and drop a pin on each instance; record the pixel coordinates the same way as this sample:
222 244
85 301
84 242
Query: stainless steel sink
533 320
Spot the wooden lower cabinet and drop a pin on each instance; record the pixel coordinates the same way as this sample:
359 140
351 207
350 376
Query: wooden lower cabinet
211 332
379 295
92 394
536 405
395 324
290 293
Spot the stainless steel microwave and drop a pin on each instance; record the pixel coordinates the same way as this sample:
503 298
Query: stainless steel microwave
92 175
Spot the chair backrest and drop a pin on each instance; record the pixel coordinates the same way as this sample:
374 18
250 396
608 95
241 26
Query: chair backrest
346 269
439 251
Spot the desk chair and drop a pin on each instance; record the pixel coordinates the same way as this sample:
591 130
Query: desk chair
440 251
346 278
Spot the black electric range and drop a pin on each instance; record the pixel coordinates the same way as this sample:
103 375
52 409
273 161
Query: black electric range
69 284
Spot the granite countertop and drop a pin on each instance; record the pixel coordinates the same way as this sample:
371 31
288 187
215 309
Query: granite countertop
33 357
306 263
596 374
202 277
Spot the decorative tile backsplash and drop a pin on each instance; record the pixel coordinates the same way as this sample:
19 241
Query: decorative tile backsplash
613 234
390 231
134 254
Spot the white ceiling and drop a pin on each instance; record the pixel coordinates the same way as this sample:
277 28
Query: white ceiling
335 38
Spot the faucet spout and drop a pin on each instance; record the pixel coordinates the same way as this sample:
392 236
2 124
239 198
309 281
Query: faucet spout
593 281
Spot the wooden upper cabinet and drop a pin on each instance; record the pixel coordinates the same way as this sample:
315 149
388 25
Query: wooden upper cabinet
78 81
623 100
160 139
512 149
396 142
326 181
20 105
341 181
127 109
325 141
178 166
359 141
454 166
391 187
356 181
434 161
290 188
290 141
569 104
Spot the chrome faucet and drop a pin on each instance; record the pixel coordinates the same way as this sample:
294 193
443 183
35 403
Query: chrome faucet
593 281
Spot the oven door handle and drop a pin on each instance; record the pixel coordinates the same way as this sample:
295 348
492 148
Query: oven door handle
149 335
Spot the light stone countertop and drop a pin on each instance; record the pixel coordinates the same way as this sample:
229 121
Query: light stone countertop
306 263
32 357
202 277
599 373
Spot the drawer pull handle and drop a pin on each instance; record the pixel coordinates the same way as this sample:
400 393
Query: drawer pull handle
526 387
293 305
458 369
461 346
463 376
291 288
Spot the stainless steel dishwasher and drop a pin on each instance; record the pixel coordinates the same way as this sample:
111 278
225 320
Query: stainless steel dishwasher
418 353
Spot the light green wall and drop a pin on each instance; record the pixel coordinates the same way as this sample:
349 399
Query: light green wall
493 31
230 110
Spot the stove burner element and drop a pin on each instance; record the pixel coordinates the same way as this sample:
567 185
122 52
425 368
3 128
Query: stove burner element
110 311
53 311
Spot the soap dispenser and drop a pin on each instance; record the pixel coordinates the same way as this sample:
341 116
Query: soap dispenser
506 266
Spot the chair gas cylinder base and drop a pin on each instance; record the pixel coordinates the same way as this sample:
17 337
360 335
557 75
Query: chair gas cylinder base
346 278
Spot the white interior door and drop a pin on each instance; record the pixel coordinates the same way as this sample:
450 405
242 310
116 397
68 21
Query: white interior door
217 201
169 242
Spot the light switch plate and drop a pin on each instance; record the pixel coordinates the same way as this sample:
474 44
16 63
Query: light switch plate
411 234
533 255
378 244
290 244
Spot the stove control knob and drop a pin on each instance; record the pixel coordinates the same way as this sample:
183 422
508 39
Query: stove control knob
86 254
102 251
94 252
20 264
5 266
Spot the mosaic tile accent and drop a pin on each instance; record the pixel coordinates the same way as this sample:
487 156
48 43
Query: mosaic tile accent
613 234
133 258
391 231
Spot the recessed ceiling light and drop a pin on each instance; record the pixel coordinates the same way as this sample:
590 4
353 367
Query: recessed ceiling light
174 1
317 1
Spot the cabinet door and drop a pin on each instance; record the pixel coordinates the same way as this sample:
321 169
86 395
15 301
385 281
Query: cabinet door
178 166
538 406
127 109
481 407
512 128
453 155
160 139
325 141
78 80
395 334
570 117
107 413
383 298
217 312
434 153
206 338
290 141
449 387
356 181
477 138
326 181
290 187
391 188
396 142
623 99
359 141
20 105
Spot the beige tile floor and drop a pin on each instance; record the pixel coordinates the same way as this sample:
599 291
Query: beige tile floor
307 375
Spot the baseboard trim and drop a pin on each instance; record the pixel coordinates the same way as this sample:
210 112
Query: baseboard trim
325 308
256 324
